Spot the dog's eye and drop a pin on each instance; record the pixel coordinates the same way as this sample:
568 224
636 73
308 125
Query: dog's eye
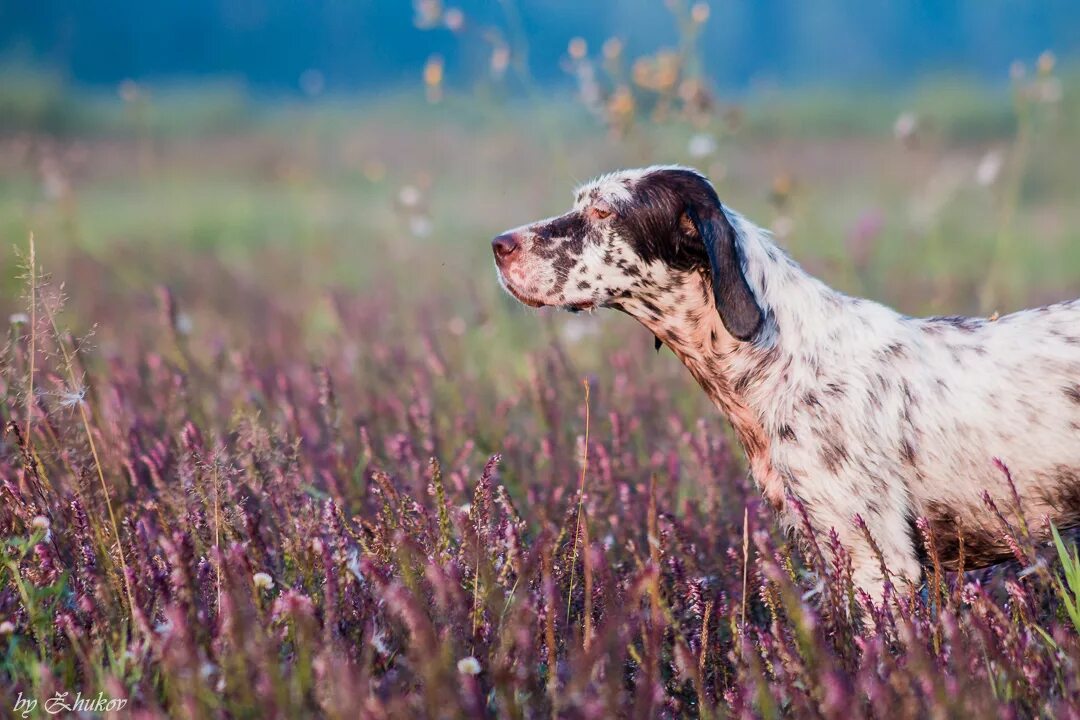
601 213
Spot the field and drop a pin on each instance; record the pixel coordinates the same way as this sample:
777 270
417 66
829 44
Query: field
277 445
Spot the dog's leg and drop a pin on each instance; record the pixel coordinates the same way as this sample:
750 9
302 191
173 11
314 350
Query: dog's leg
883 540
872 527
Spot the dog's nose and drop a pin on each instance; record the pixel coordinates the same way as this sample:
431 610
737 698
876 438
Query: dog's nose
504 246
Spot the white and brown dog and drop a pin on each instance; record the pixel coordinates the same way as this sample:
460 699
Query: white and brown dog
847 406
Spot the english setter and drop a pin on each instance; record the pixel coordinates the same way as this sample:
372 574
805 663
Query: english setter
841 403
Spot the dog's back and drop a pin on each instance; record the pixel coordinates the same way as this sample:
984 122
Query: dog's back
1006 390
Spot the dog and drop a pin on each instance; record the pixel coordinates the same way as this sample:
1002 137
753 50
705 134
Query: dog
889 430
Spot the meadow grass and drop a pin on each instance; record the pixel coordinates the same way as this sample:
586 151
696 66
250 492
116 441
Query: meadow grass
346 470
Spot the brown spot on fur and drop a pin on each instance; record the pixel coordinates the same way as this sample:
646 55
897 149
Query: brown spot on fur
895 350
907 453
833 455
1060 489
983 546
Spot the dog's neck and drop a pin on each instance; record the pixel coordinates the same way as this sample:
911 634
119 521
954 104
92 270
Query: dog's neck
743 379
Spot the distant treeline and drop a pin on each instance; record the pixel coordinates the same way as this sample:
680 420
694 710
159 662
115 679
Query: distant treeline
364 44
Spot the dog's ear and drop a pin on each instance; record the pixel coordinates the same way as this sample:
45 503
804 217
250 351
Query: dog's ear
735 301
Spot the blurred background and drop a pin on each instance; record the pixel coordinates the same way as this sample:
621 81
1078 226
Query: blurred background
269 307
240 155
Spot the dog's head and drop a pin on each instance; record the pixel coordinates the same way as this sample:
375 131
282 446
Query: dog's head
628 239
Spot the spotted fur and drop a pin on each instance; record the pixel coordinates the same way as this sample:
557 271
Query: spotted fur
843 404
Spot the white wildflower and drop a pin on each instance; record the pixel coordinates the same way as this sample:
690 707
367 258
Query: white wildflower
701 146
7 627
19 319
71 398
816 590
906 126
989 168
263 581
41 522
378 641
420 226
1038 565
353 565
409 196
183 323
468 666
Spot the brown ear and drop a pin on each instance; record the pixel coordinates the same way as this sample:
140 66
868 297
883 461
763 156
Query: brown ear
735 301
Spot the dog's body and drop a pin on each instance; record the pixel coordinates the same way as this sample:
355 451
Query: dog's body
840 403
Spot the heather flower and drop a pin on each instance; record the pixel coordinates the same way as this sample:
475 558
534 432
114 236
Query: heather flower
293 604
231 456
